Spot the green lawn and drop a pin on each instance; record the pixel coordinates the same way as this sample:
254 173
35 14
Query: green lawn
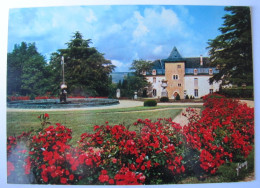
83 121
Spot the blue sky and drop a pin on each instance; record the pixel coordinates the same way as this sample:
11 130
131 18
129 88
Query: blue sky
122 32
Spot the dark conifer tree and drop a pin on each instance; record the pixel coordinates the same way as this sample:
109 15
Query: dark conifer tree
231 52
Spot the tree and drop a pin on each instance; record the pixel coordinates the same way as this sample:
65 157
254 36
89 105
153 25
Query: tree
140 66
131 84
231 52
86 69
135 82
26 71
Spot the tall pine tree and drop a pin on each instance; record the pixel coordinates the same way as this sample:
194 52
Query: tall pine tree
231 52
86 69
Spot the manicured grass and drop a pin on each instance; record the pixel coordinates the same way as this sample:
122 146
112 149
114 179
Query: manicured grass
83 121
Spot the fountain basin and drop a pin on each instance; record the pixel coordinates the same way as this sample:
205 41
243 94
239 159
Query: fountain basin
55 103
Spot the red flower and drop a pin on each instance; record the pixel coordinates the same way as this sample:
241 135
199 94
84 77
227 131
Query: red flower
10 168
225 139
71 177
103 178
104 172
111 182
114 160
46 115
63 180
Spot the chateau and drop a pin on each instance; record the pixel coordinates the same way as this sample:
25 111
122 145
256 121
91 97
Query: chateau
184 76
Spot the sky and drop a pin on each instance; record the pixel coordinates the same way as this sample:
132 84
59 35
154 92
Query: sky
123 33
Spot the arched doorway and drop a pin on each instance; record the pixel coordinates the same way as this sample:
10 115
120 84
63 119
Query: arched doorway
175 94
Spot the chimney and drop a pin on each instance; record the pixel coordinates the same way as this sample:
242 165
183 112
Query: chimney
201 60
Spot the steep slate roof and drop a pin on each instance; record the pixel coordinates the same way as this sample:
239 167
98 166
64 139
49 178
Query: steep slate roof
190 64
194 62
175 56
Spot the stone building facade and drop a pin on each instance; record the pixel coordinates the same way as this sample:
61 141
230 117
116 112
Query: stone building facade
184 76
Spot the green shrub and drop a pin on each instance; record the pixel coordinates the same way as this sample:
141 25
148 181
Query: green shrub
178 97
150 102
164 99
228 171
187 97
238 93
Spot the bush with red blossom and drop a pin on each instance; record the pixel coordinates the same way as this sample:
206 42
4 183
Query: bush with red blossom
224 132
146 153
152 151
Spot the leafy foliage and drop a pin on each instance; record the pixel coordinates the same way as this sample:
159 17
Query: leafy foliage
150 102
135 82
132 83
164 99
231 52
26 71
86 69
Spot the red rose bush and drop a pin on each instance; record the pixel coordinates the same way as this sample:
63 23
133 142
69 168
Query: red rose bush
224 132
146 153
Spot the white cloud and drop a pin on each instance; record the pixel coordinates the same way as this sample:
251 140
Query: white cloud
122 33
91 16
158 49
117 63
141 29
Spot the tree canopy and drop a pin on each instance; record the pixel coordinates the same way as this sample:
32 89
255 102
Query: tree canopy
135 82
140 66
231 52
86 69
26 73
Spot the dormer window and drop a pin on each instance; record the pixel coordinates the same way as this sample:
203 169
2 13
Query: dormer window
195 71
154 72
210 71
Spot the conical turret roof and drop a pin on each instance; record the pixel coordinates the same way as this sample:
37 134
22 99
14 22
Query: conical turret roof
174 56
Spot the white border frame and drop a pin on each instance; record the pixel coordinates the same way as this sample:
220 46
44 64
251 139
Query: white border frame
4 7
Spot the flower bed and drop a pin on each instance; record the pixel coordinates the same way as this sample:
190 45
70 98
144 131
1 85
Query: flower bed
155 153
77 97
18 98
98 97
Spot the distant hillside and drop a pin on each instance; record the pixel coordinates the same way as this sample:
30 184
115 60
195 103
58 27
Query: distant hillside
116 76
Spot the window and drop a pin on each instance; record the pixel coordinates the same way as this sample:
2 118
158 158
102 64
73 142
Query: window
154 92
175 77
185 92
179 84
154 79
195 71
211 91
196 92
196 82
179 66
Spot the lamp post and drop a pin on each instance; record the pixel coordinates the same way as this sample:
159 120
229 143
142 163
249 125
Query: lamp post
62 63
63 94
